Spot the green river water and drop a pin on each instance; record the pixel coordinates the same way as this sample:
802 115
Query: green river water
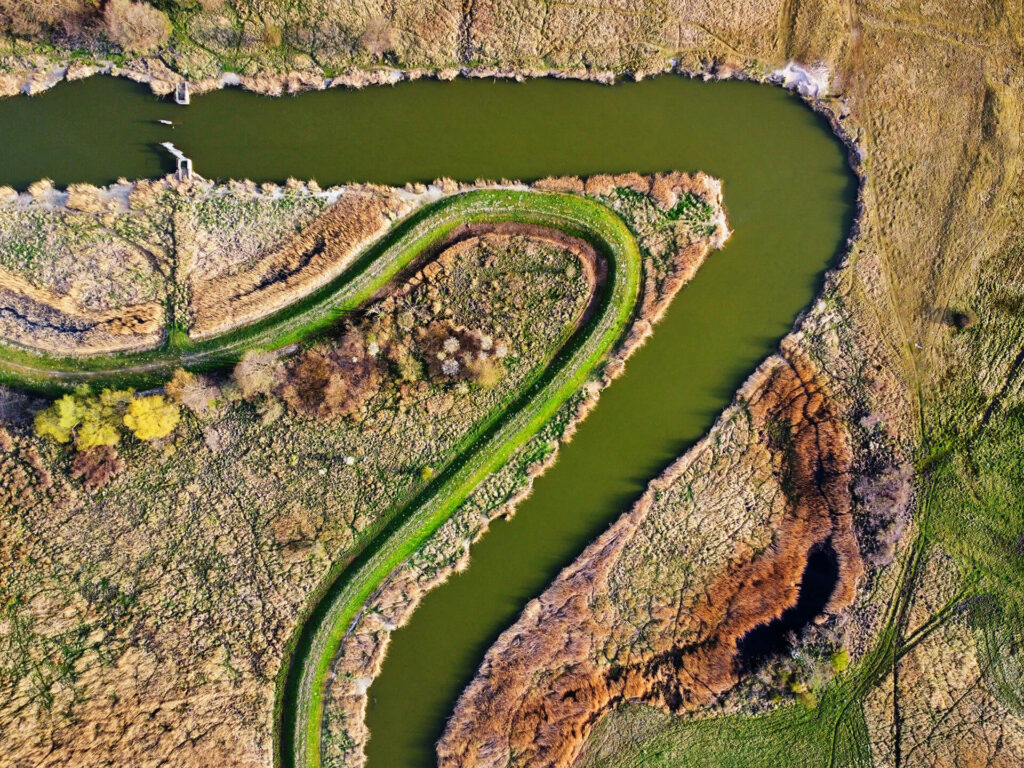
790 200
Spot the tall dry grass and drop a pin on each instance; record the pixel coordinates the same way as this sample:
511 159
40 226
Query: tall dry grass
303 263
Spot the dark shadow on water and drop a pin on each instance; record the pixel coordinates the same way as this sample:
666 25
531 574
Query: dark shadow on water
773 639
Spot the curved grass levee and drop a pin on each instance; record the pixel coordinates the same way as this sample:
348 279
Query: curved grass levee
409 240
302 682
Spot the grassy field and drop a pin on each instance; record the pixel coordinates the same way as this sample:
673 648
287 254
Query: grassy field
928 303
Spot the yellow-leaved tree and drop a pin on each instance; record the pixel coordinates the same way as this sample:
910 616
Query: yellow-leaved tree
102 420
151 417
58 421
92 420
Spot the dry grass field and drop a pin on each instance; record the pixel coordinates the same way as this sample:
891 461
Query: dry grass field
146 620
102 270
147 603
918 338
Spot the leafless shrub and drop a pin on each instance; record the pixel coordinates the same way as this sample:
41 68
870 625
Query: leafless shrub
16 407
406 365
257 373
136 27
332 380
96 466
883 503
197 393
35 17
962 319
379 38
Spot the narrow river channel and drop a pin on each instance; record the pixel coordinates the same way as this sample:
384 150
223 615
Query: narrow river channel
790 199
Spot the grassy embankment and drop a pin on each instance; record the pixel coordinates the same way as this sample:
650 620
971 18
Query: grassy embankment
302 683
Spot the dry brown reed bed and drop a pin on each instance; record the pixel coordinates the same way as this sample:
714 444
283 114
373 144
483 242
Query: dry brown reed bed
575 653
41 319
299 266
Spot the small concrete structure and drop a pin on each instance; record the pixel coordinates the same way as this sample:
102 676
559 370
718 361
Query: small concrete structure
182 95
184 171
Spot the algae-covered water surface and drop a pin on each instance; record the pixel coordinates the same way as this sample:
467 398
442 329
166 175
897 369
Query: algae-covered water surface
789 195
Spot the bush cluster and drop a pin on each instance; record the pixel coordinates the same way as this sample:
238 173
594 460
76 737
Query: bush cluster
332 380
459 354
336 378
135 27
96 466
92 421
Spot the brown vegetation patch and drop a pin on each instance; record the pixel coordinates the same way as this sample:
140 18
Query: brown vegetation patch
96 466
332 380
548 678
457 353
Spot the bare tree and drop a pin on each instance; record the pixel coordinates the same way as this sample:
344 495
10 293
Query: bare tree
379 37
136 27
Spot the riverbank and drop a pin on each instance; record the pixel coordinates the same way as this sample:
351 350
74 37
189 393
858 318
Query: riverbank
812 82
38 74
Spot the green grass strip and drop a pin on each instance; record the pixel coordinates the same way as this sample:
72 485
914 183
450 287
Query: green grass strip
303 680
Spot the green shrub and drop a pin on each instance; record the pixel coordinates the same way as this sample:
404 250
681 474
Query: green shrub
840 660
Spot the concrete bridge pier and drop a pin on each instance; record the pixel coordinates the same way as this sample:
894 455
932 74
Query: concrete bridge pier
182 95
184 169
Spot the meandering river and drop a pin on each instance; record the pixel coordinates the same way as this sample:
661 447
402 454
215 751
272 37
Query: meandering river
790 198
